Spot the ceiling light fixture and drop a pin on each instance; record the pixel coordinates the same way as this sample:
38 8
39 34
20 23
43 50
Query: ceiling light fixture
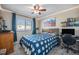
37 9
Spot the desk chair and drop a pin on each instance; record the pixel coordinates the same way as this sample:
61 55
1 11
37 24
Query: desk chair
68 40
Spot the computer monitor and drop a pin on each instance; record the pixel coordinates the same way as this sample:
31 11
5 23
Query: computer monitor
68 31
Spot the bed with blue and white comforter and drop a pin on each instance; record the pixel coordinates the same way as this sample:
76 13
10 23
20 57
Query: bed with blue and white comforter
40 44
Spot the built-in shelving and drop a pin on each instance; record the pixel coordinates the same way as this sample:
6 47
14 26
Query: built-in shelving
71 22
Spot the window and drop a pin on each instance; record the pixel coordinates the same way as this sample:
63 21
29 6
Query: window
28 25
23 24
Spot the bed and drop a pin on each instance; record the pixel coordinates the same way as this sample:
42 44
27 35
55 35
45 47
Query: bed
40 44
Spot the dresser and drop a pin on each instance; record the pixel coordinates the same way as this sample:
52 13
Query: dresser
7 42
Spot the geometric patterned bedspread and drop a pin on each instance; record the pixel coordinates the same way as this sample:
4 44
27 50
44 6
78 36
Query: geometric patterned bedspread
40 44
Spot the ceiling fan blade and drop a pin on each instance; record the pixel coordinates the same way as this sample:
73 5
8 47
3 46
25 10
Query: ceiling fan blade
42 10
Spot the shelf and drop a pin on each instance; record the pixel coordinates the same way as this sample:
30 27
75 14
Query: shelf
70 24
60 27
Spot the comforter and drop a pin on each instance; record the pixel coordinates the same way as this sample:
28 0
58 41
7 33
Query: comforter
40 44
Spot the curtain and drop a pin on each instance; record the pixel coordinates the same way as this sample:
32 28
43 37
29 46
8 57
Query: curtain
34 26
14 26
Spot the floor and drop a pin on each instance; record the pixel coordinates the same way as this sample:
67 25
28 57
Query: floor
18 50
56 51
59 51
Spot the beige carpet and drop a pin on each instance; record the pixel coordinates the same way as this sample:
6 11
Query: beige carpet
59 51
18 50
56 51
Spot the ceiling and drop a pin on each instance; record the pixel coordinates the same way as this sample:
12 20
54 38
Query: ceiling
24 9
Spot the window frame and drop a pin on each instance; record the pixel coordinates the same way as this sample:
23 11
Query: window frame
26 20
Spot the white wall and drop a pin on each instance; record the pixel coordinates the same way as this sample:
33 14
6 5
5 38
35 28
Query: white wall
63 16
71 14
38 24
7 16
77 32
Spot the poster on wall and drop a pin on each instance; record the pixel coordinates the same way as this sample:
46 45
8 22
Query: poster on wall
49 22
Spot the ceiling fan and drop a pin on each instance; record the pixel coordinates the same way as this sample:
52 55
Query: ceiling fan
37 9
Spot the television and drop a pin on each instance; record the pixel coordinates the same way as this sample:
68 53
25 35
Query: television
68 31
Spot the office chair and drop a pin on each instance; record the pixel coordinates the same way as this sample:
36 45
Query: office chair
68 40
